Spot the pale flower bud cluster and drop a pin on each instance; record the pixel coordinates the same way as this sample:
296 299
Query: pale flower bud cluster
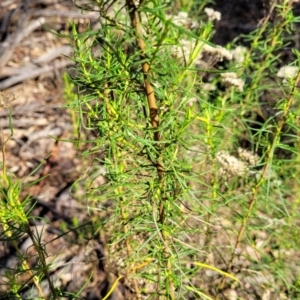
184 50
251 158
208 87
217 52
183 19
233 166
239 53
212 14
288 72
230 165
192 101
186 47
230 79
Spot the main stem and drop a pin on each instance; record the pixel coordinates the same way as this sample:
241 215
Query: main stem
154 119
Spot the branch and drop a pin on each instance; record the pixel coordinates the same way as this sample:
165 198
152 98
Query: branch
154 117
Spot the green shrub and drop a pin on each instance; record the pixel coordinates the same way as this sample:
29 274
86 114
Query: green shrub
198 144
193 186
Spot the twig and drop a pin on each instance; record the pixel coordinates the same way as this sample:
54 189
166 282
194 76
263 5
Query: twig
43 59
11 42
64 14
52 54
32 73
25 123
5 23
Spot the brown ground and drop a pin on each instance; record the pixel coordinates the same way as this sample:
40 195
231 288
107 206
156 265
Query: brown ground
31 68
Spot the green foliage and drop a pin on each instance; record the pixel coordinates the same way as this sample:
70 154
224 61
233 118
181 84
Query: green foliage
14 225
197 148
181 158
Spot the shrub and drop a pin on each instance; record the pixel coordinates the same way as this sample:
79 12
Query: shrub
198 143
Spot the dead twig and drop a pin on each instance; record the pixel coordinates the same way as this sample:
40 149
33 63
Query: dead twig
12 41
64 14
43 59
33 73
